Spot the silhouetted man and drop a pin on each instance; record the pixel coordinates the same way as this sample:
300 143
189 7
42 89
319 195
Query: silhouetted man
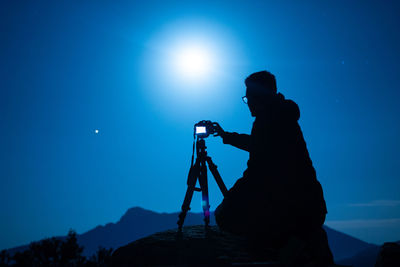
278 197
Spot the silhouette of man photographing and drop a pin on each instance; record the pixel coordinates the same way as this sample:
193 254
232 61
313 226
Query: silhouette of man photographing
279 197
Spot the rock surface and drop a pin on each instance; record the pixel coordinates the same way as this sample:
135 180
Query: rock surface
389 255
194 246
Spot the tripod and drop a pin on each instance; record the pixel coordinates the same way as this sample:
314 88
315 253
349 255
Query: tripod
198 171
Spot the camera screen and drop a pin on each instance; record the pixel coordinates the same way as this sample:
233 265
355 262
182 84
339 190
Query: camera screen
201 130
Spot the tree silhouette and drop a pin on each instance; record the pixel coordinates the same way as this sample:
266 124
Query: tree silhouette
45 252
22 259
4 258
71 252
102 258
55 252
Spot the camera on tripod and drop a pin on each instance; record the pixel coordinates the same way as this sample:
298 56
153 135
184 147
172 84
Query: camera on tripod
198 171
204 128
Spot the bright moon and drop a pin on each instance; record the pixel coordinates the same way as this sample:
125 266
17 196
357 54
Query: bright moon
193 62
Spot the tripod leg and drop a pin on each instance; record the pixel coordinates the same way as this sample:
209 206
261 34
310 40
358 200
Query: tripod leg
191 182
217 176
204 192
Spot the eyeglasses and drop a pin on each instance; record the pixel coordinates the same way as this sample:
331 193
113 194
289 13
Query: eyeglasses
245 99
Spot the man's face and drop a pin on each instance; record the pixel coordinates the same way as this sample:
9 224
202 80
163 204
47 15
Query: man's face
257 102
251 103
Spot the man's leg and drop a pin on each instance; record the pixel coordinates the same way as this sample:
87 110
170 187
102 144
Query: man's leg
232 214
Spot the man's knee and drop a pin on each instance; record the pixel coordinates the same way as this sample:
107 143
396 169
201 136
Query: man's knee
226 219
218 214
222 217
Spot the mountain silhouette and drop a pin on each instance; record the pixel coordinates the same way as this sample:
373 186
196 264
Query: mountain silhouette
364 258
344 246
138 222
134 224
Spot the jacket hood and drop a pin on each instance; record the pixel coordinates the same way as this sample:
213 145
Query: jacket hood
281 108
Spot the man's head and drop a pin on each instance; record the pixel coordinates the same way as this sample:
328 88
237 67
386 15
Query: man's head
260 86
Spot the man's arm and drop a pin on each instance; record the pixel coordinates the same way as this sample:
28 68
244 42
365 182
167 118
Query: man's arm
241 141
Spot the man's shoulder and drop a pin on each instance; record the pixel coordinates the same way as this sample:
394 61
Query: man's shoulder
285 111
290 110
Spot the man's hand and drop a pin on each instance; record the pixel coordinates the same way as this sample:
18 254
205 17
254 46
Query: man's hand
218 129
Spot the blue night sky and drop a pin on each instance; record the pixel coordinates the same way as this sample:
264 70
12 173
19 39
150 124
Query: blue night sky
69 68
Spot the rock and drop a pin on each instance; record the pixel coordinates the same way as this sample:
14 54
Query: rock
194 246
389 255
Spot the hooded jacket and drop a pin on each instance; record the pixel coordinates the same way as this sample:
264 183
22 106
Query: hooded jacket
279 171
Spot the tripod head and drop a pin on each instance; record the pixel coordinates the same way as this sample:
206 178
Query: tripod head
204 128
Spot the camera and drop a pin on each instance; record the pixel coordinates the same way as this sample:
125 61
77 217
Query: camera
203 129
